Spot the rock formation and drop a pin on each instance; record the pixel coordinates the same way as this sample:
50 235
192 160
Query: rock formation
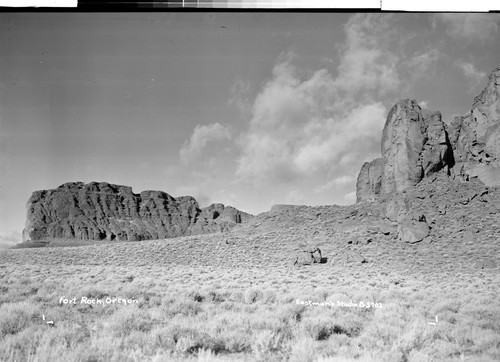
416 143
316 255
303 258
413 229
218 217
102 211
352 256
369 180
476 136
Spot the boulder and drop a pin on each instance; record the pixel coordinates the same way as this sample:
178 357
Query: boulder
102 211
303 258
316 255
353 256
412 229
488 174
309 256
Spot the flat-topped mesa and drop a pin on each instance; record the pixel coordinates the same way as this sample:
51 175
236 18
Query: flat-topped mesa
102 211
414 144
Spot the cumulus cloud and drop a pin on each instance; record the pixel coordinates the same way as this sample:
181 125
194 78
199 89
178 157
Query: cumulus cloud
299 127
8 239
367 63
472 74
304 124
201 137
471 26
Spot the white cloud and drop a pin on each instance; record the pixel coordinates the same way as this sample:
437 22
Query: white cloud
302 126
367 63
471 26
472 74
201 137
8 239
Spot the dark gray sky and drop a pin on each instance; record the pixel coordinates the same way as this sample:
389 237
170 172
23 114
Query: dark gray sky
244 109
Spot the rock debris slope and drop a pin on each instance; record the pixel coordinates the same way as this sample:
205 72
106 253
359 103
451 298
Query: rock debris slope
416 143
102 211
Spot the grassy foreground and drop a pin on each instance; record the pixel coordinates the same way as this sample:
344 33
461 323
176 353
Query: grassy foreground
218 313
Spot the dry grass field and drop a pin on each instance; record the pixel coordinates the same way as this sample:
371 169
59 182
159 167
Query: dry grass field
183 303
238 297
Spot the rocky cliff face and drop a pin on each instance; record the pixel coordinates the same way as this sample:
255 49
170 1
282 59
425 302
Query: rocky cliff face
476 135
101 211
414 144
369 180
417 143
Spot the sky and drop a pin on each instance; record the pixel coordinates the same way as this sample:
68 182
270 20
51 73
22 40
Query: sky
246 109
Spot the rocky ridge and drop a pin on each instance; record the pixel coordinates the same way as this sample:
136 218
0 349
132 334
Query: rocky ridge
416 143
476 136
102 211
463 233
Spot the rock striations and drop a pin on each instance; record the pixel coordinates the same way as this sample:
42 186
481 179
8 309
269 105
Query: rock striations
417 143
102 211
